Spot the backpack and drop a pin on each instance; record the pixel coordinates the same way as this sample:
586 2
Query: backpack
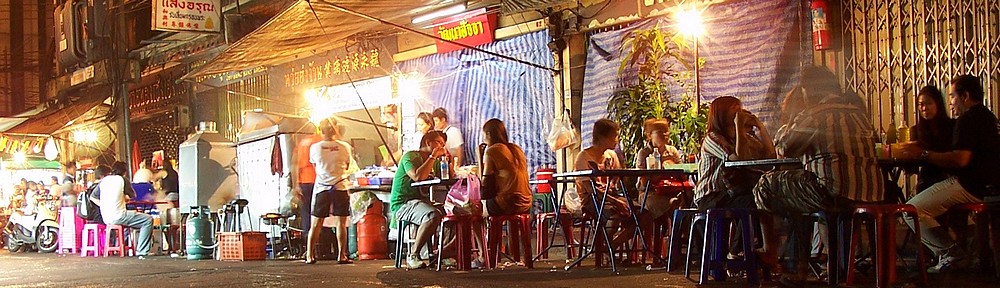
87 209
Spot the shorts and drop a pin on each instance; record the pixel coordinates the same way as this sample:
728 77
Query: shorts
331 203
792 192
418 211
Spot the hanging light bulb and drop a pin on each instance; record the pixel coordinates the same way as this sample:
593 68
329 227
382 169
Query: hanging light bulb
51 150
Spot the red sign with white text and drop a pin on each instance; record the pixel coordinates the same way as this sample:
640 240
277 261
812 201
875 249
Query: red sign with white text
472 31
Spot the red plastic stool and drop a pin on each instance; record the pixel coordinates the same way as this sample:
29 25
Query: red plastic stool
92 238
542 238
982 236
116 233
463 234
884 217
519 230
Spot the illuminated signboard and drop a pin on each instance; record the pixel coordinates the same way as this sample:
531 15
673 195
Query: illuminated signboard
187 16
472 31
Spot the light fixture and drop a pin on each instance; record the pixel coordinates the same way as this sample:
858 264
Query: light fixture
451 10
19 157
689 22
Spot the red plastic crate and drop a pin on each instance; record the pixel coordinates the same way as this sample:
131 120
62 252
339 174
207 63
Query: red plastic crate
242 246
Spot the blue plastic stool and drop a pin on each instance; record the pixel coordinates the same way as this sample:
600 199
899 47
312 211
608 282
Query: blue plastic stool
716 245
401 241
680 215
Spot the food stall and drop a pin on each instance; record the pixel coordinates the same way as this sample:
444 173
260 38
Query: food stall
264 155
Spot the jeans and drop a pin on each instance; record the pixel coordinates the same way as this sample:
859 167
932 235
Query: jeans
933 202
305 208
144 223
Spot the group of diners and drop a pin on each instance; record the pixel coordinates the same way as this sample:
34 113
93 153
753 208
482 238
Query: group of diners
830 131
833 135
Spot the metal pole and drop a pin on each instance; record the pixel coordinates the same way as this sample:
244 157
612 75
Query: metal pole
697 78
126 127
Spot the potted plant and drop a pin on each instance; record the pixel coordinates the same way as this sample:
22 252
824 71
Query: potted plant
656 55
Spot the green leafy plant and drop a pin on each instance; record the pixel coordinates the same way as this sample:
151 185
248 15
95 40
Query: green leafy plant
656 55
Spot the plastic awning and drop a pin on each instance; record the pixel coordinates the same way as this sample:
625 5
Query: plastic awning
299 32
55 118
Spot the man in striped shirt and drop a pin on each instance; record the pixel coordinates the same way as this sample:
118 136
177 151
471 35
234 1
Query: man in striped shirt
836 141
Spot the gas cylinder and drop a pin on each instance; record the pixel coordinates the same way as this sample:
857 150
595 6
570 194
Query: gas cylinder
373 234
199 234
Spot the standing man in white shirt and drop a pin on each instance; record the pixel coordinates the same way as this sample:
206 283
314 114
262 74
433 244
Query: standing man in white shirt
334 163
112 201
455 144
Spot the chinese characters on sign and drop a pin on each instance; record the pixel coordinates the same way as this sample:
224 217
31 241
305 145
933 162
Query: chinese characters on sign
336 66
473 31
187 16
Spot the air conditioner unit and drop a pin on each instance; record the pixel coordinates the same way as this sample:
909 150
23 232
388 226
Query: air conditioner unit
70 42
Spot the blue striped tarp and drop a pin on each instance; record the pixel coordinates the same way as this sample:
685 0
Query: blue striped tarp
753 50
475 87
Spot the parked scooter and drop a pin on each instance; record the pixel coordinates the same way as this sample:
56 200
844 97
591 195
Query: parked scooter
38 230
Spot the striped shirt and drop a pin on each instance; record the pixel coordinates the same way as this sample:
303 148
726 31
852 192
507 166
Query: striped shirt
836 142
717 180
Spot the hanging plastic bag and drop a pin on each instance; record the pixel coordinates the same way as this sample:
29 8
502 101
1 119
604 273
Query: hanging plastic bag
563 134
573 202
359 204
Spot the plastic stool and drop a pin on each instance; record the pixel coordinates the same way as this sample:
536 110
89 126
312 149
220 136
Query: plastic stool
716 242
463 234
680 215
403 240
120 246
836 244
542 238
981 217
885 231
92 239
519 230
69 234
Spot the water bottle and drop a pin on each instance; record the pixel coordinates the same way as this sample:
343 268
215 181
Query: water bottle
444 168
658 164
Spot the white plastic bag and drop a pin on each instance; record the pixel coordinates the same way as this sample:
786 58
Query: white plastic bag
359 205
563 134
573 202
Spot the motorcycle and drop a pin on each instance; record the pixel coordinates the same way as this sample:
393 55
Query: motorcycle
38 230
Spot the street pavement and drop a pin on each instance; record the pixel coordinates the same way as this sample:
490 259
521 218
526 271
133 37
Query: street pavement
51 270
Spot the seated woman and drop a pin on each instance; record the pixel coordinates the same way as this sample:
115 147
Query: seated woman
933 132
665 193
733 134
505 173
602 155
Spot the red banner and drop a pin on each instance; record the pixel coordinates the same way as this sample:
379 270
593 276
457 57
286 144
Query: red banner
472 31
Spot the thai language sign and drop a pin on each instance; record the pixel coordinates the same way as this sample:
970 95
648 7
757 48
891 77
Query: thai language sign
187 16
472 31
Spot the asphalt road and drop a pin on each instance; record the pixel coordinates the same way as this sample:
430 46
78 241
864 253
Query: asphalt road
50 270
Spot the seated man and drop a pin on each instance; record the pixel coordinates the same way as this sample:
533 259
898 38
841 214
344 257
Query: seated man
112 201
974 163
407 203
836 141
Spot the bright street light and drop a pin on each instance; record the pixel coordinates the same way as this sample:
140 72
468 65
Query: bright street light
689 23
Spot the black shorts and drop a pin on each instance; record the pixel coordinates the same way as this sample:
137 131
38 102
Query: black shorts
331 203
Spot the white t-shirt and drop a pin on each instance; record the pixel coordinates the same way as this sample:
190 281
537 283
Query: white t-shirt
142 175
454 139
334 163
112 198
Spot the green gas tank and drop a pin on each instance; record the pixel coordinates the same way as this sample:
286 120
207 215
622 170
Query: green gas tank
200 235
